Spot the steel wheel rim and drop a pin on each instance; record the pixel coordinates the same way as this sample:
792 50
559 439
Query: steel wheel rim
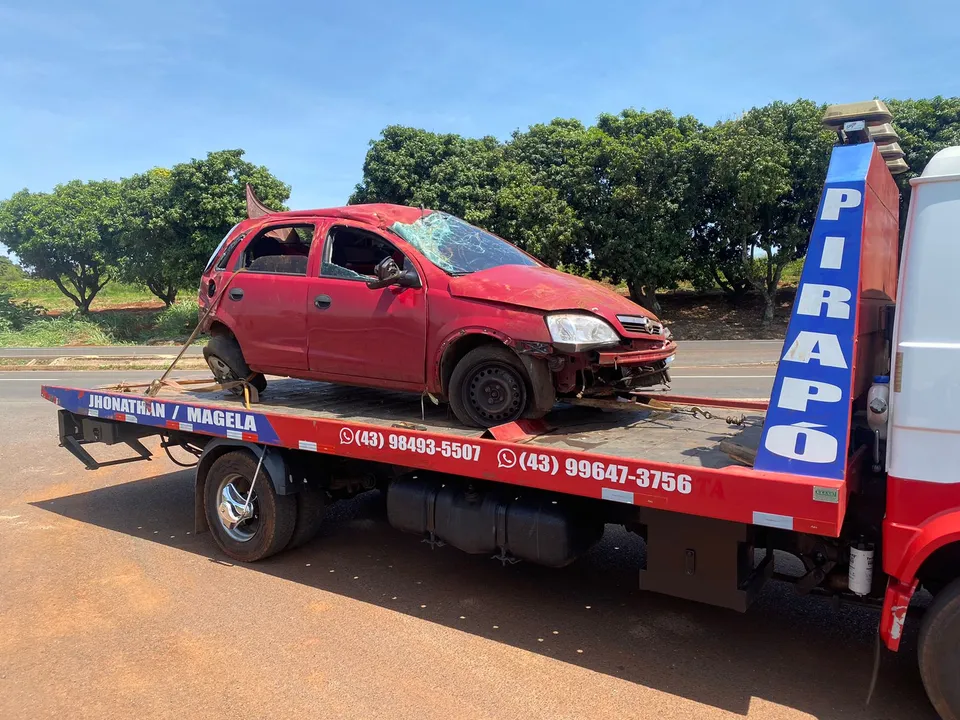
231 495
495 393
221 371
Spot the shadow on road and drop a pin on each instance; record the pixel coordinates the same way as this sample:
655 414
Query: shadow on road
797 652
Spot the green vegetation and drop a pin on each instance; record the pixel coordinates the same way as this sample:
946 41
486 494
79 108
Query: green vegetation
22 325
154 230
647 199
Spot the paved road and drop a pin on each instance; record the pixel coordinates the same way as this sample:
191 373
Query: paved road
109 351
111 607
694 353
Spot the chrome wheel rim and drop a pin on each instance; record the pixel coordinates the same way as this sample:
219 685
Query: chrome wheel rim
238 522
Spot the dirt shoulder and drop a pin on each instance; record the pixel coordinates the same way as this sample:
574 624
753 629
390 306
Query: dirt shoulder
702 316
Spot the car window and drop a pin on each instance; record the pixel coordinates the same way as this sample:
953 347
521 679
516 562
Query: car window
278 249
457 247
352 254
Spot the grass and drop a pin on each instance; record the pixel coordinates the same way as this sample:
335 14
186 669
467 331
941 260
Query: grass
48 295
106 327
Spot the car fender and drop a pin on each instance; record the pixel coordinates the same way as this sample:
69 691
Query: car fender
447 343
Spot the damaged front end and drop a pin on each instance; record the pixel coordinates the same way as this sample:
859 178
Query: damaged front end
615 371
592 360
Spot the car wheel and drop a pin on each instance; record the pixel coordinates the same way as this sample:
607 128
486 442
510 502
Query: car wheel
225 360
247 532
489 387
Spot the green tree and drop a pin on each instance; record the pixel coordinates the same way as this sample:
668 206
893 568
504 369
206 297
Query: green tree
69 236
150 251
744 171
177 221
10 271
925 127
409 166
646 200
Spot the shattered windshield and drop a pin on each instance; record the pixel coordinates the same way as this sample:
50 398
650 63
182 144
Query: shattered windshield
458 247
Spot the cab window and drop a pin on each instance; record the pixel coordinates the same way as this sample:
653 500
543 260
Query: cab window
278 250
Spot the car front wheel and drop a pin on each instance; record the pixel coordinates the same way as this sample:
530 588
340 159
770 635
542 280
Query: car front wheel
225 360
489 387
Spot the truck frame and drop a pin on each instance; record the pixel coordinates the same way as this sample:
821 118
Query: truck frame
714 486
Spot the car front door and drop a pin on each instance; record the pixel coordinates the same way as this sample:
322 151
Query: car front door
356 332
265 304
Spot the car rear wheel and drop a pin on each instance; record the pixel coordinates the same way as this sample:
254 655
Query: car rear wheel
225 360
489 387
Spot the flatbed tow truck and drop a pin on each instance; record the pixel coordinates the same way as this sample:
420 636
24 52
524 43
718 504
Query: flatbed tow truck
853 474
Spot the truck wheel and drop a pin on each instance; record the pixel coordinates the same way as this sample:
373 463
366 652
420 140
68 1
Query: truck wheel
265 527
225 359
311 503
488 387
939 652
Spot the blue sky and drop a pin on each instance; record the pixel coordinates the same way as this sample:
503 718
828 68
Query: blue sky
104 88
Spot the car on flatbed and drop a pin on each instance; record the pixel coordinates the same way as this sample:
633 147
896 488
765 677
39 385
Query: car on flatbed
404 298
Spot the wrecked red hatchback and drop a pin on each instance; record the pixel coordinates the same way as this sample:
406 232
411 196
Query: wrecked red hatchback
401 298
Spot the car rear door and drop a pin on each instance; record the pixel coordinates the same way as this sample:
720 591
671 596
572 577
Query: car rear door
353 331
266 301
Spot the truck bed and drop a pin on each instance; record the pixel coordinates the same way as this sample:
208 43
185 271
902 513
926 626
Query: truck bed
657 435
668 459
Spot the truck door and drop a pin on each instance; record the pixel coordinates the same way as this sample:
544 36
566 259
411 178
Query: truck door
353 331
265 303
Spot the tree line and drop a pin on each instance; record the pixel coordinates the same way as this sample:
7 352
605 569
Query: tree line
155 229
648 199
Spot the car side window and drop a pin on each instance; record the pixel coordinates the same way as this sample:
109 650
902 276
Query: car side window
278 249
352 254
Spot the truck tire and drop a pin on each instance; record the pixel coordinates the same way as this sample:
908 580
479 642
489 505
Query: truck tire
939 651
311 505
225 360
489 387
273 517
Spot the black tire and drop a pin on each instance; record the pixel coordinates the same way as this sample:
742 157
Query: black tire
225 360
489 387
311 505
275 516
938 652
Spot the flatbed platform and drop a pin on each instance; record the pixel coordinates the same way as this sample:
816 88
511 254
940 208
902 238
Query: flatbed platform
658 458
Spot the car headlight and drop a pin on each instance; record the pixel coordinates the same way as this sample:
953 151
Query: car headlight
572 332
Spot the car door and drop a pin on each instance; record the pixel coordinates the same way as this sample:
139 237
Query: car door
265 304
356 332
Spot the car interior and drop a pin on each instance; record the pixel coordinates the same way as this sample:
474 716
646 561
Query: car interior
282 250
353 254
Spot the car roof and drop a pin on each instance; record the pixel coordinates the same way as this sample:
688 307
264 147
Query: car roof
377 214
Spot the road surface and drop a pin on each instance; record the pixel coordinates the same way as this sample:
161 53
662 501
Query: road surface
111 607
697 353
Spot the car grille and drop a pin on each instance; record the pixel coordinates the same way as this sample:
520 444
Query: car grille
640 324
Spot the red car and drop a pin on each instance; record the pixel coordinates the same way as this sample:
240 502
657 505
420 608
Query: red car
401 298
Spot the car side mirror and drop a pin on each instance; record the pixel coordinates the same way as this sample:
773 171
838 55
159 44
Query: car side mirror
388 273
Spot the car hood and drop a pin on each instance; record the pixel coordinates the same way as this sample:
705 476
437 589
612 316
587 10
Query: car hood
542 288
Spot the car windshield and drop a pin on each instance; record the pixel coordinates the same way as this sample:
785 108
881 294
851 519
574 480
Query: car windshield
457 247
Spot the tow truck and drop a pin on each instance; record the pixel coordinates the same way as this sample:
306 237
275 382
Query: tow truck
851 465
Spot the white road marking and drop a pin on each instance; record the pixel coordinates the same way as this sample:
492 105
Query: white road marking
720 377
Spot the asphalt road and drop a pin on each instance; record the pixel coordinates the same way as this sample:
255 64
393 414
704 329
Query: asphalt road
108 351
698 353
110 606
